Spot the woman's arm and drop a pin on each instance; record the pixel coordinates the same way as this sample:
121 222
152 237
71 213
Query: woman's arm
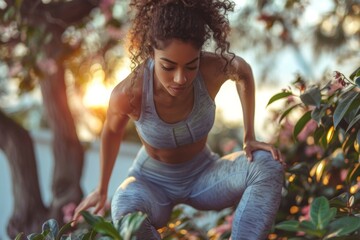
113 131
111 137
216 70
240 71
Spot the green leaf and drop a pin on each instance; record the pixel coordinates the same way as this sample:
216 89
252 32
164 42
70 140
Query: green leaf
355 73
279 96
130 223
327 219
36 236
339 201
301 123
63 230
18 4
319 132
343 107
320 212
318 113
353 174
90 235
311 97
344 225
91 219
107 228
307 225
357 81
287 111
290 225
300 169
18 237
310 229
349 141
137 220
52 227
353 237
345 91
352 123
9 14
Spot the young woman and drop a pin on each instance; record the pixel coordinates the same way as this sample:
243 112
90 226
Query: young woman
170 96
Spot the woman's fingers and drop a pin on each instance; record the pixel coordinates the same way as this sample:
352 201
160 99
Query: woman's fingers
99 206
85 204
278 156
248 152
253 146
93 200
76 216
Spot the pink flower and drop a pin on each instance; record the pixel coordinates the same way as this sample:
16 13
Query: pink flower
68 211
15 69
305 213
115 32
228 145
343 174
285 135
334 87
339 77
105 6
307 130
225 227
312 150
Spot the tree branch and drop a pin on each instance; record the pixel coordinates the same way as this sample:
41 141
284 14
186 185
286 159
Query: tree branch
61 14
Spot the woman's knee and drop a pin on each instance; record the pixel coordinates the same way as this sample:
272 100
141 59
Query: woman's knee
138 196
264 163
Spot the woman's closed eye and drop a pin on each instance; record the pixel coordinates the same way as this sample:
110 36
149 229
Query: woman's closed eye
191 68
167 68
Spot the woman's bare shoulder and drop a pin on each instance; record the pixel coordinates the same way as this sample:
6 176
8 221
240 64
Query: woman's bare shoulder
221 68
126 96
212 70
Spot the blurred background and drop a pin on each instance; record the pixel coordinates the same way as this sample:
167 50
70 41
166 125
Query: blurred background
60 59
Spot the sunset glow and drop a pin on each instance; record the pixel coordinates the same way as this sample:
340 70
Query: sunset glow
97 93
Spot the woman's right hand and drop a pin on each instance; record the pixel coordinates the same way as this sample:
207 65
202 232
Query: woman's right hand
94 199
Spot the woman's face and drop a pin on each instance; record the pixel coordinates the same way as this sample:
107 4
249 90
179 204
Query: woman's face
176 67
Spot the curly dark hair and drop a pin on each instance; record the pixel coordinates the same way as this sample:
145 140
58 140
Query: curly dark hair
155 22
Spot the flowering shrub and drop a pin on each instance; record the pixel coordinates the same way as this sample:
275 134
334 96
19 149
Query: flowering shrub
321 149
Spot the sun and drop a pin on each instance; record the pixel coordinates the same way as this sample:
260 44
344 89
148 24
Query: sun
97 93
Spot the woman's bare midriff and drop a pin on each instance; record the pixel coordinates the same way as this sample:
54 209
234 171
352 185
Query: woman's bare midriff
176 155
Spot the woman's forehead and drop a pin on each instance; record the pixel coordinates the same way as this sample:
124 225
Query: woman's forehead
178 51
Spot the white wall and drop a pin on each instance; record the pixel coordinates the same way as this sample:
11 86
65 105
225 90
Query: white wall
44 157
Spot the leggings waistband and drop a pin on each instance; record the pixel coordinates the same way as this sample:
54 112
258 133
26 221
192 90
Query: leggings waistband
174 178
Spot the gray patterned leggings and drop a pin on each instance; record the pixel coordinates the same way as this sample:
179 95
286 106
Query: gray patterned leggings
206 182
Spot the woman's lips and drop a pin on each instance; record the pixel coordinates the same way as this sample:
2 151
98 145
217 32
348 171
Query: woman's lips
178 88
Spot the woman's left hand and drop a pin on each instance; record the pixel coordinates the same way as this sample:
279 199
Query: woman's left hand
251 146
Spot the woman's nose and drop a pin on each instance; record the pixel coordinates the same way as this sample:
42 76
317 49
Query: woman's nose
180 78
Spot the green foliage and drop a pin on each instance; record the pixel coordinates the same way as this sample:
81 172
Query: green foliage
323 223
99 228
321 147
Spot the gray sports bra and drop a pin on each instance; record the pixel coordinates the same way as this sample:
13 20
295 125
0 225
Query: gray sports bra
160 134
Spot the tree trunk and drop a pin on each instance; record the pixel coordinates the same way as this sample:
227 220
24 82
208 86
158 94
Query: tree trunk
29 211
68 151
